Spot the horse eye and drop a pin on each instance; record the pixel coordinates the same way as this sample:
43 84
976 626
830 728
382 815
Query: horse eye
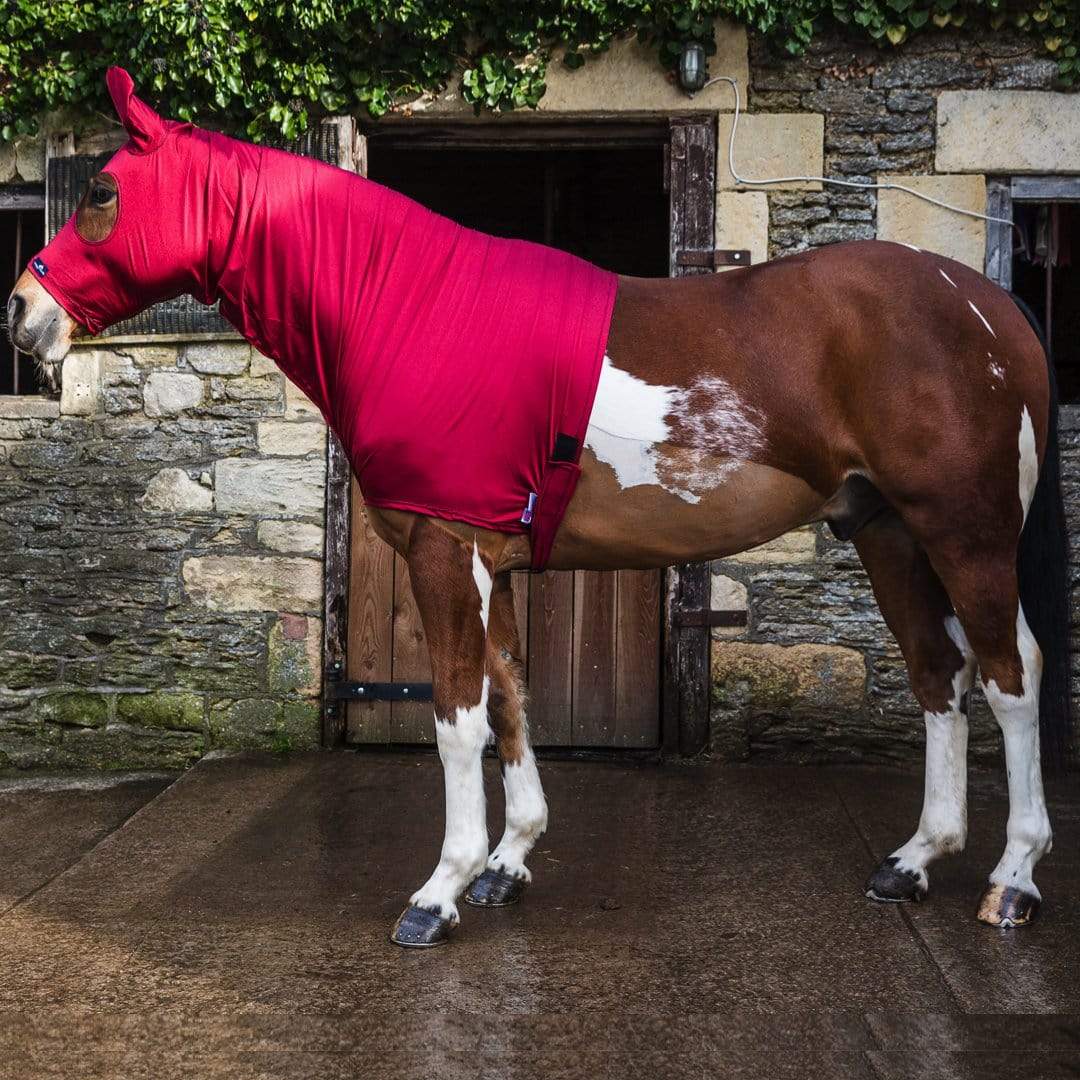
100 195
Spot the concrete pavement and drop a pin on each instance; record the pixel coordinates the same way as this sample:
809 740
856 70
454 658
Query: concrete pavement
685 921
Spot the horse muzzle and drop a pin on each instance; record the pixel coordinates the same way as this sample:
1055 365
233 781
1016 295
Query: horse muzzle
39 326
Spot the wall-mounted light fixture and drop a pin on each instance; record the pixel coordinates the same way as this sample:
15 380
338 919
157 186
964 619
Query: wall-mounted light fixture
692 72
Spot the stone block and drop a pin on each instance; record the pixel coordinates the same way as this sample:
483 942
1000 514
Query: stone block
780 678
262 365
264 724
179 712
294 655
769 145
742 221
254 583
173 491
292 537
298 405
217 357
28 407
797 546
1008 131
728 594
287 438
7 162
125 746
74 709
274 486
81 384
30 158
908 220
628 77
169 393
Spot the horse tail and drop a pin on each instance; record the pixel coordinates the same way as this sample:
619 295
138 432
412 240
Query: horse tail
1043 572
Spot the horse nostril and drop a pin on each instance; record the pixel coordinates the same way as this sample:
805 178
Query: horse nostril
16 305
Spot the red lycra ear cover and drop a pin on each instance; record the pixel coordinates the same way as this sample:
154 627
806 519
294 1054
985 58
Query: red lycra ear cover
145 127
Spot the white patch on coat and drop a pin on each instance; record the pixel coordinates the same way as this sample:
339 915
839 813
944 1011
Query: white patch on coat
526 816
983 318
943 823
1028 831
997 372
483 584
946 277
632 419
1029 462
912 246
464 852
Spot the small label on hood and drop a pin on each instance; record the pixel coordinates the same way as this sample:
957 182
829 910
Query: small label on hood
39 266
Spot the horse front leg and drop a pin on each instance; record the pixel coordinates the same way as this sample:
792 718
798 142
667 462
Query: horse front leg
452 585
506 875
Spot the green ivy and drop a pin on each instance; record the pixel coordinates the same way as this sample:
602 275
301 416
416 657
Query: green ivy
264 66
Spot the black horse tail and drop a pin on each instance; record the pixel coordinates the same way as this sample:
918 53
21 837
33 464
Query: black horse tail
1043 571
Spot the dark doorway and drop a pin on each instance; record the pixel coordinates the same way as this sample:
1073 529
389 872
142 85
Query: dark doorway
22 232
607 205
592 642
1046 273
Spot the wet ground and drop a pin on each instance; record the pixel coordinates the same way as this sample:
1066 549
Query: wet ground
685 921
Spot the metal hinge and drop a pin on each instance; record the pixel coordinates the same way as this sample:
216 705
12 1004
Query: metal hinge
707 617
338 689
713 259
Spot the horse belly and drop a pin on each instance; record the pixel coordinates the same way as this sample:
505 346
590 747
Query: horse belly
684 507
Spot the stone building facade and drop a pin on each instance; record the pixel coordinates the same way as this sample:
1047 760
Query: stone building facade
161 524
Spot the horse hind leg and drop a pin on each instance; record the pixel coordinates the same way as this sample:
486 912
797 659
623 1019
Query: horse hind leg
506 875
941 667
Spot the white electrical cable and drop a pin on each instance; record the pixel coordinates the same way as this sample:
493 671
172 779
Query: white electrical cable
829 180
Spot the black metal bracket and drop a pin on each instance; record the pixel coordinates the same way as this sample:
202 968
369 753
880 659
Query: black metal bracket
713 259
706 617
338 689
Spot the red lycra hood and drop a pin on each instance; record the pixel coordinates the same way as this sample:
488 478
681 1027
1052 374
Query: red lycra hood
458 369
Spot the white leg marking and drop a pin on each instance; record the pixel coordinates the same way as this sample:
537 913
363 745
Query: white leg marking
1028 831
1029 461
946 277
632 419
943 823
483 584
526 817
983 318
465 844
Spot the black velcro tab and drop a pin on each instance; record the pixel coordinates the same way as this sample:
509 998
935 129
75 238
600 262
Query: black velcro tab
566 448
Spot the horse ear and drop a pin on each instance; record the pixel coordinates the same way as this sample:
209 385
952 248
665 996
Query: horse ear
145 127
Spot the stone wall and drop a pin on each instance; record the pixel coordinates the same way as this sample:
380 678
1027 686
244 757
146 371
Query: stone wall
816 675
161 537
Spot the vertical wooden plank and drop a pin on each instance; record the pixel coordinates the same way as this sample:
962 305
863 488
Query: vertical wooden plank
686 661
999 236
551 653
637 658
336 585
594 658
371 604
519 583
410 722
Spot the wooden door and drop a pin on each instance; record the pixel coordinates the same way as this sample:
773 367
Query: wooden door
594 642
591 642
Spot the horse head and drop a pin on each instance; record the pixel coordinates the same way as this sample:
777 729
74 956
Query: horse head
128 244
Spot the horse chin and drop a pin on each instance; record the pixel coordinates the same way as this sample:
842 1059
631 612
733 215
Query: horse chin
41 328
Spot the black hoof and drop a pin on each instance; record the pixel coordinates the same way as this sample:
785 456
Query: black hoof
420 929
1002 905
891 884
493 888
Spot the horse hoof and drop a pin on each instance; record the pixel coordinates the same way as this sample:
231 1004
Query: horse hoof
1004 906
890 884
417 928
493 888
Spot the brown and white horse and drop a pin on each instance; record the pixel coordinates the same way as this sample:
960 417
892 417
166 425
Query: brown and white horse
893 393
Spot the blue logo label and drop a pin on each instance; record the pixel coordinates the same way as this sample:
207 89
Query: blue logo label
39 267
527 513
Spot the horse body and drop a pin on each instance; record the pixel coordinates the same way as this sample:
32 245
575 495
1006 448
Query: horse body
897 395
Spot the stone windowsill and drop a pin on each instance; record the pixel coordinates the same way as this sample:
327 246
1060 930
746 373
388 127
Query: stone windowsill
108 341
29 407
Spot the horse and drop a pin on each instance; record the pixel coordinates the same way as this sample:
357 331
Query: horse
896 395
